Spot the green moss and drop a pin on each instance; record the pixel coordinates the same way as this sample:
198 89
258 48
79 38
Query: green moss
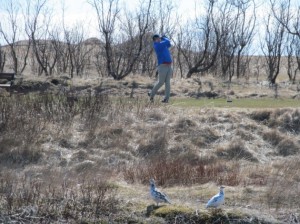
172 211
187 215
236 214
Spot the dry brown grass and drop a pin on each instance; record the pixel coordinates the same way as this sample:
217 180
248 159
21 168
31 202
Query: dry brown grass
178 172
235 150
29 199
67 148
283 184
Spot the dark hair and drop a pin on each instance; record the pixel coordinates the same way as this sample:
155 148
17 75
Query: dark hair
155 36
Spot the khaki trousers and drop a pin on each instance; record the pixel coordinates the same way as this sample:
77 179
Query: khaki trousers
165 73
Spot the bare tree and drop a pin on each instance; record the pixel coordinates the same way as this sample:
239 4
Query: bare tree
61 56
257 65
228 43
237 23
147 62
2 59
199 43
11 31
165 20
287 13
273 48
99 56
293 57
123 40
37 28
245 32
78 50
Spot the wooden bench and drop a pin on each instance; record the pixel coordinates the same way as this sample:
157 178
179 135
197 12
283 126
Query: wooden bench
8 79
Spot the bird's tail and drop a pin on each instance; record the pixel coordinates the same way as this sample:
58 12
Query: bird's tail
168 200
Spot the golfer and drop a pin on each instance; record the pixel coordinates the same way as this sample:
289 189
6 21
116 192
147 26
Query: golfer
164 60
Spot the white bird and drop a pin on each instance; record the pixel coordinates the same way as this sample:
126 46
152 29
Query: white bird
216 200
156 195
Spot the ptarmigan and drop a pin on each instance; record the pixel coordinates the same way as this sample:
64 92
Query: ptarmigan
216 200
156 195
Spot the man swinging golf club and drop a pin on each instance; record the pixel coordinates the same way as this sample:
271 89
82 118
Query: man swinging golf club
164 60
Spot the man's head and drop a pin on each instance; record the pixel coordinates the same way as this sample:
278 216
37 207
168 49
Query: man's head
155 37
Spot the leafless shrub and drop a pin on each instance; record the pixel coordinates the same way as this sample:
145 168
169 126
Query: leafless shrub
54 198
283 185
25 119
170 172
92 109
256 176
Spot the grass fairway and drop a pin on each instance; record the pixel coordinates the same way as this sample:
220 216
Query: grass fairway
237 103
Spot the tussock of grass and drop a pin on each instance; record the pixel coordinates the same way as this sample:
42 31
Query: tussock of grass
286 119
235 150
155 115
204 136
273 137
261 116
245 135
287 147
155 146
283 145
290 121
183 124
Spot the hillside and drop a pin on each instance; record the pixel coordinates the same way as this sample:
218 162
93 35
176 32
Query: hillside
84 151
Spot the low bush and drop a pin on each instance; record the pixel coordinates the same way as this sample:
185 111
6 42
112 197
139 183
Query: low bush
55 199
178 172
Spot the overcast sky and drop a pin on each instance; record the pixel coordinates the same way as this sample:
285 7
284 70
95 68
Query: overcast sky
81 12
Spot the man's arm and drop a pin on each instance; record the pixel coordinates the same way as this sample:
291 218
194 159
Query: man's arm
166 41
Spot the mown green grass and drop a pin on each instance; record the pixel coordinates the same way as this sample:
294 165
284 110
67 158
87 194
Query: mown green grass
236 103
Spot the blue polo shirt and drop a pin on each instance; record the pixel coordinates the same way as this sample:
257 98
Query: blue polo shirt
162 51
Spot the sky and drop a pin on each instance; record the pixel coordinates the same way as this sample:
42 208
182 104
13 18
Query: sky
82 13
81 10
